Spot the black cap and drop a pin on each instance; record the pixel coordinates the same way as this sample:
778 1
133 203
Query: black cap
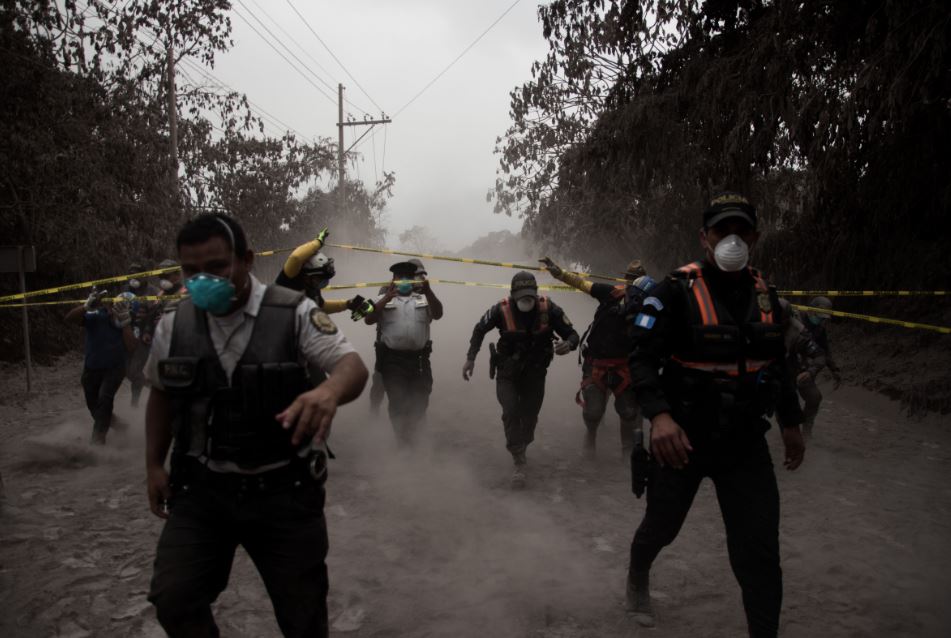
727 205
524 285
403 268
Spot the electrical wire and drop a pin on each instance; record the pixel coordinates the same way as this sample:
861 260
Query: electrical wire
336 59
286 48
306 53
457 58
284 57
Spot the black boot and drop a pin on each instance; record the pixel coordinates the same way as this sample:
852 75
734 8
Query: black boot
639 598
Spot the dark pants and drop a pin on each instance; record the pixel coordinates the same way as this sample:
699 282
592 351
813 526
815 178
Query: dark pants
284 532
408 380
811 399
749 502
135 370
596 404
520 394
100 387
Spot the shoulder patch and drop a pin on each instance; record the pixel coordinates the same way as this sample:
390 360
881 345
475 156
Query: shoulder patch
322 322
655 302
644 321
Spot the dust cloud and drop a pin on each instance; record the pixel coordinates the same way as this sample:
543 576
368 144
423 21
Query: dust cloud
433 542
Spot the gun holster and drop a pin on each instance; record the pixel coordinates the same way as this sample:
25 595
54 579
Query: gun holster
493 360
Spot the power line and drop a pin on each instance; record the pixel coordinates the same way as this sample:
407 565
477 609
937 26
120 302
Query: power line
305 52
258 110
284 57
457 58
324 44
255 108
286 48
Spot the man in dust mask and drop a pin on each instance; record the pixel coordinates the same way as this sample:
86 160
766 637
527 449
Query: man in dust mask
404 313
527 323
708 368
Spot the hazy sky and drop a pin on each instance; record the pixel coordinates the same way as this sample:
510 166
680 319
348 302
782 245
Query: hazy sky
441 146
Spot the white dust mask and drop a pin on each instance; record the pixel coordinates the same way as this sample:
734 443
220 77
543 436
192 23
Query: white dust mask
731 254
525 304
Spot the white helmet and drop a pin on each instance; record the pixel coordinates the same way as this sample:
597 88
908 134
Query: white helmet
320 265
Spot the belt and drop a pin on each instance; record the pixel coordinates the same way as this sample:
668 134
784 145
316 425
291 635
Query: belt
188 471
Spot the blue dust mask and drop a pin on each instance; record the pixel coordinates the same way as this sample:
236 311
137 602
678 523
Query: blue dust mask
404 287
211 292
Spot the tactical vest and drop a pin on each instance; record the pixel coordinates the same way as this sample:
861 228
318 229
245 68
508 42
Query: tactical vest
515 339
722 345
234 421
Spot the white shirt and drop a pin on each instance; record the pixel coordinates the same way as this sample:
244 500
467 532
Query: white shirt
231 334
405 322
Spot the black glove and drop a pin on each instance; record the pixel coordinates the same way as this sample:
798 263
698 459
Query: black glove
552 267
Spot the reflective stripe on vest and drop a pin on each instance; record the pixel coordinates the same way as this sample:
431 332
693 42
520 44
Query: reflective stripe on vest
730 369
509 317
708 312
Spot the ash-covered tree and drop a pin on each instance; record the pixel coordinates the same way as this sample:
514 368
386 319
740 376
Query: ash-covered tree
833 116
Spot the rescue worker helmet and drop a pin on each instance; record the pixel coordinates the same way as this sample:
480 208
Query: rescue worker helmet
320 265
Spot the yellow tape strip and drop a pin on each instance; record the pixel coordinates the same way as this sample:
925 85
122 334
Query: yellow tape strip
77 302
378 284
883 320
864 293
466 260
87 284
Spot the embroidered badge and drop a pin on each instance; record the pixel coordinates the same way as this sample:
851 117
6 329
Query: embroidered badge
644 321
322 322
655 302
764 303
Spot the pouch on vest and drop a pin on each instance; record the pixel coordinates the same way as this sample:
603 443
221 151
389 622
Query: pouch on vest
766 340
182 375
716 343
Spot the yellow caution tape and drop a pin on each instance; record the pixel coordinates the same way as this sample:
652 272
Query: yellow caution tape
378 284
87 284
466 260
864 293
890 322
76 302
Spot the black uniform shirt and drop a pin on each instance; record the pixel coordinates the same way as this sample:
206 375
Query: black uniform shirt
664 322
494 319
610 335
297 283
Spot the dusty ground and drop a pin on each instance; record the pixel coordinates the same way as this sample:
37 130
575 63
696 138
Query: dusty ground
435 544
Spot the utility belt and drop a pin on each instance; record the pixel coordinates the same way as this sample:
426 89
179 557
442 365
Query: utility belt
525 352
607 374
722 405
417 360
189 472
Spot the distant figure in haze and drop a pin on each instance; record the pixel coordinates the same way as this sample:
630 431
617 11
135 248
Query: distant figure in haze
108 342
808 390
527 324
605 349
404 314
170 285
144 315
310 271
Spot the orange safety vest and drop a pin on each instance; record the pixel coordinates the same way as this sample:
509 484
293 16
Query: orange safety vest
720 349
542 323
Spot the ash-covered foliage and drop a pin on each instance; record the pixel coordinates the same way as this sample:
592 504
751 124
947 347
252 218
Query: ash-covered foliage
835 118
89 175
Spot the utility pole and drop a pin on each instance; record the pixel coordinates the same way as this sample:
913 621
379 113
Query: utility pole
341 166
172 110
341 195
